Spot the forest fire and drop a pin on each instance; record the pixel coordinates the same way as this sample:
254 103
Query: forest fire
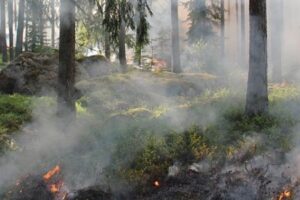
285 195
55 183
51 173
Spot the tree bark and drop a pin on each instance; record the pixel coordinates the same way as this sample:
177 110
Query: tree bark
41 24
176 66
52 23
107 46
277 39
66 73
26 27
222 29
34 8
257 90
122 40
20 29
15 13
243 34
3 31
11 28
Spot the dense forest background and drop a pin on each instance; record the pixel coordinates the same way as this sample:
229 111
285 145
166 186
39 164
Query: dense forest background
149 99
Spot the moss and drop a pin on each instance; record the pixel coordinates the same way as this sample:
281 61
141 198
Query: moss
15 111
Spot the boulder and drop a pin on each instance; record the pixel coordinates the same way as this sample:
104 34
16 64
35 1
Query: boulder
36 73
97 65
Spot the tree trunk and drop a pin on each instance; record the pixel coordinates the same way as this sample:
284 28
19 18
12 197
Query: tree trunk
20 30
176 67
26 27
243 34
34 20
276 39
138 45
122 41
41 26
66 73
15 14
222 29
52 23
107 46
238 34
11 28
3 31
257 91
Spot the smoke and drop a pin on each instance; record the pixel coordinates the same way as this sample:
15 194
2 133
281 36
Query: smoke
119 106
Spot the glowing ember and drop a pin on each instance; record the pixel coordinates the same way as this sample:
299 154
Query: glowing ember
156 184
54 188
285 195
51 173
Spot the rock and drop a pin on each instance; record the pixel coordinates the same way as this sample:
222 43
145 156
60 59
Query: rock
97 65
36 73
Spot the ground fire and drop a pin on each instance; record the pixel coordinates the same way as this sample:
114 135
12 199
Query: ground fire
156 184
285 195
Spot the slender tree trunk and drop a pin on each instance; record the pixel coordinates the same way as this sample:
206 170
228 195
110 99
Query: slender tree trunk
238 34
176 66
276 39
222 29
257 91
26 27
15 13
243 34
66 73
20 29
138 45
229 7
52 23
41 26
34 7
107 46
237 12
3 31
107 41
11 28
122 41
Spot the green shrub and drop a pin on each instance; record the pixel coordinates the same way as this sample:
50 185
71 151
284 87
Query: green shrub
14 111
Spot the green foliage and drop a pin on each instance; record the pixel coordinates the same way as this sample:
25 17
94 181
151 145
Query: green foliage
202 17
15 110
36 31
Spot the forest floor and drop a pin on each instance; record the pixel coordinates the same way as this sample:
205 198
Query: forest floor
150 124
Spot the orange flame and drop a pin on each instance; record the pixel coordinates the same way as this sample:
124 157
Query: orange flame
286 194
54 188
51 173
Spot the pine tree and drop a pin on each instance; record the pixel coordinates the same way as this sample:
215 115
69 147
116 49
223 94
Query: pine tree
3 30
176 66
257 90
10 27
66 74
20 29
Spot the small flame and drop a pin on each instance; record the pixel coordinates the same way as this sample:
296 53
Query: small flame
51 173
54 188
156 184
286 194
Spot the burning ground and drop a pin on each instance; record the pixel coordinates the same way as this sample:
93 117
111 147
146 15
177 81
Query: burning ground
151 136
